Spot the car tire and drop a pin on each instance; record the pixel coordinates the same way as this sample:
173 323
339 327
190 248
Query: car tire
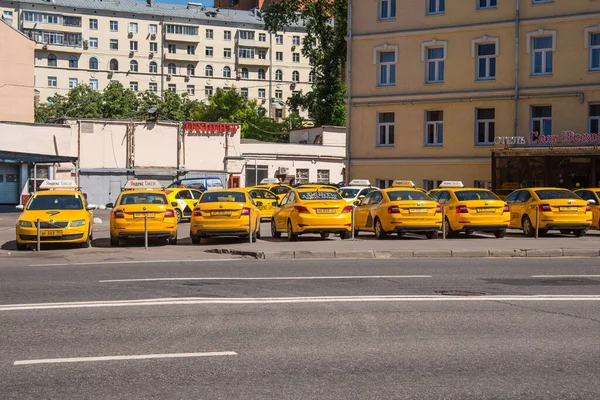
292 237
345 235
173 241
565 232
356 232
274 233
114 242
450 233
258 233
21 246
179 215
379 232
528 229
432 235
500 233
195 239
579 232
324 235
87 243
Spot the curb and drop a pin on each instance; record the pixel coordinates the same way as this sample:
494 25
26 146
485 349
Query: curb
391 254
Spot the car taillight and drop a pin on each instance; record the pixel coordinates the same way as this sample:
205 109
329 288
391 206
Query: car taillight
347 209
506 209
545 207
169 214
588 208
245 211
167 192
302 210
393 210
197 213
119 214
462 210
438 209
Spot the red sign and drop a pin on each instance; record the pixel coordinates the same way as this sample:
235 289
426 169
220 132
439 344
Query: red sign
210 129
567 137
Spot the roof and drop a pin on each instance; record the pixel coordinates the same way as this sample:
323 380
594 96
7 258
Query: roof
15 157
198 13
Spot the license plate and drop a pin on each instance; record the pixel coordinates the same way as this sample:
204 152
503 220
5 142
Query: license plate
142 215
220 213
325 210
417 211
50 233
486 210
567 208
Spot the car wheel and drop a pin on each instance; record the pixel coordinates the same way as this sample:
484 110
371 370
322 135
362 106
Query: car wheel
345 235
258 233
179 215
21 246
87 243
379 232
173 240
579 232
274 233
292 237
450 233
195 239
565 231
432 235
500 233
356 232
528 229
114 242
324 235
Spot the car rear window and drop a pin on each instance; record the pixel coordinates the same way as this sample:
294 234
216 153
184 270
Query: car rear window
465 195
399 195
143 198
56 202
319 195
349 193
223 197
556 194
280 189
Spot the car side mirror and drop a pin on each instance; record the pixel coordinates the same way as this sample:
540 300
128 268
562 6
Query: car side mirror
20 207
110 205
361 197
91 207
276 204
259 203
592 201
174 203
357 203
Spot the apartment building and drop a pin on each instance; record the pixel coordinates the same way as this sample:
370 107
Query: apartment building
147 45
243 4
501 93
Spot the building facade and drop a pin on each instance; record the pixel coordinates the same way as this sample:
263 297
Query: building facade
155 46
435 86
243 4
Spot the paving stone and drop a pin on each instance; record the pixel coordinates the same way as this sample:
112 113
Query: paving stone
355 254
313 254
470 253
581 252
544 253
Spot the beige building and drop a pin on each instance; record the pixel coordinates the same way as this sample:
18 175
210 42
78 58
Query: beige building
16 74
436 87
148 45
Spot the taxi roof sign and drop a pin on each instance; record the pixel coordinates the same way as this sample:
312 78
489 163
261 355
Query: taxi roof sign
50 184
143 184
451 184
269 180
403 183
360 182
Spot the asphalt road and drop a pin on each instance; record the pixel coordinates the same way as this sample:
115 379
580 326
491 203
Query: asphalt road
247 329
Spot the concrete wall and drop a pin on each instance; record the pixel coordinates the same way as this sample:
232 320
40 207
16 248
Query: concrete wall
103 145
41 139
329 135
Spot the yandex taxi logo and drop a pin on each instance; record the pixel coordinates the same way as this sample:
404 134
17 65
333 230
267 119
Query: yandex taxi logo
210 129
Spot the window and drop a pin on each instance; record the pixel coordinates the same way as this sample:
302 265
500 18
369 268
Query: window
172 87
246 52
386 71
482 184
73 82
311 77
93 63
244 92
485 128
172 48
51 60
295 76
322 176
114 44
208 70
133 66
113 65
486 61
191 70
594 118
436 6
172 68
152 29
244 73
226 72
485 4
153 47
153 67
191 49
191 90
7 15
94 24
541 120
381 184
431 184
133 45
435 65
302 176
246 35
255 174
227 35
278 39
262 74
208 52
73 62
208 91
93 43
93 84
296 40
434 128
71 21
387 9
153 87
262 54
226 53
133 27
52 82
595 52
209 33
262 93
296 57
182 30
542 1
385 129
542 56
279 75
279 56
279 94
114 26
133 86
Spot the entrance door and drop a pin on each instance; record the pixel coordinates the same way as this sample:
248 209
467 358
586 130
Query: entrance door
9 184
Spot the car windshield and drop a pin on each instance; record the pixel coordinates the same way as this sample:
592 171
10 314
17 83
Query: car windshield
349 193
556 194
143 198
223 197
399 195
319 196
56 202
465 195
280 189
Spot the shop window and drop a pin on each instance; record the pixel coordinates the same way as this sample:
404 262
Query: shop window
302 176
385 129
485 126
594 118
322 176
541 120
434 128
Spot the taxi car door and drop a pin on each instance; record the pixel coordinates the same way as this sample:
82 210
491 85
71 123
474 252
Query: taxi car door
362 211
511 200
588 195
282 213
522 207
376 198
268 199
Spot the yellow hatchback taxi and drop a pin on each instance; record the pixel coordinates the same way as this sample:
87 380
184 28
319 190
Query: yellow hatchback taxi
186 200
401 209
472 210
305 211
557 209
268 200
592 196
229 212
63 213
142 205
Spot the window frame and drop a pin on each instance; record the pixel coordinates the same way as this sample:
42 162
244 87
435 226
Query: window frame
210 68
531 36
593 117
588 44
391 6
425 47
392 66
488 6
475 46
93 40
52 60
153 67
436 124
487 123
71 81
113 26
386 125
227 72
541 120
52 79
93 24
438 7
113 44
93 84
134 86
134 66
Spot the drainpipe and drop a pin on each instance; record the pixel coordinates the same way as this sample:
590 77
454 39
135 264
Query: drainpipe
516 96
270 73
349 97
162 60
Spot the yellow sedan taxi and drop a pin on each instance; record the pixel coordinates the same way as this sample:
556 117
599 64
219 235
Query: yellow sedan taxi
472 210
277 188
142 205
229 212
63 214
557 209
305 211
401 209
186 200
592 196
268 200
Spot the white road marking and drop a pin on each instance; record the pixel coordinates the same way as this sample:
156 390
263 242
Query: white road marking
288 300
565 276
117 358
135 262
268 278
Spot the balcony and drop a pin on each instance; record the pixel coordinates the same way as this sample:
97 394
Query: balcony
176 37
59 48
181 57
40 26
256 62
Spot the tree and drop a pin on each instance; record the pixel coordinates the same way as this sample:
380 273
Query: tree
118 102
325 48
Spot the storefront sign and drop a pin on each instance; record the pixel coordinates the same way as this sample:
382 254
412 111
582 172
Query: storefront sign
210 129
565 138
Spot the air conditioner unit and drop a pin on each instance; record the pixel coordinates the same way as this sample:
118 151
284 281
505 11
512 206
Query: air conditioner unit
153 36
169 77
283 171
130 34
151 55
86 44
45 47
293 86
187 78
131 54
293 48
264 101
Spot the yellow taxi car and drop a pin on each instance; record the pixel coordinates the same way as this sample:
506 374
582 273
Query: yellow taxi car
63 214
592 196
305 211
142 205
268 200
557 209
273 185
228 212
186 200
316 187
401 209
472 210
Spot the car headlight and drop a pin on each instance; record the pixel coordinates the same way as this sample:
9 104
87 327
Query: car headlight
25 224
79 222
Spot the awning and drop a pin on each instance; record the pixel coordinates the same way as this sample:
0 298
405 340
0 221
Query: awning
12 157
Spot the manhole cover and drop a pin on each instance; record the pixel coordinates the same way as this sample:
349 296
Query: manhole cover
459 293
